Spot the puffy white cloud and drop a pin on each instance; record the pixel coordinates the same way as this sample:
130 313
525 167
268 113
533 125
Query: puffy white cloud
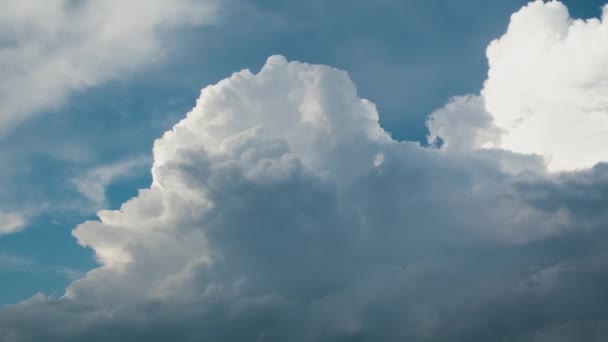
462 125
546 91
51 49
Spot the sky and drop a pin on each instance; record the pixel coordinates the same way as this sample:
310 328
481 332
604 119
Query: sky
351 170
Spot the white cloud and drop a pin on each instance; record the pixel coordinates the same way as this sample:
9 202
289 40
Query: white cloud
50 49
11 223
547 89
462 125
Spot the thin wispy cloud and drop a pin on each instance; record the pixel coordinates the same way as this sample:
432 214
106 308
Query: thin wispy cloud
11 223
21 264
52 49
93 183
12 262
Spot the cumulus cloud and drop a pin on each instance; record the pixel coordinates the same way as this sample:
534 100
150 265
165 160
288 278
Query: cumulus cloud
280 210
51 49
462 125
546 91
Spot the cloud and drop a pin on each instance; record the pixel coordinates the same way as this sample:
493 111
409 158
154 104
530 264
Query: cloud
15 262
462 125
546 91
280 210
11 223
92 184
49 51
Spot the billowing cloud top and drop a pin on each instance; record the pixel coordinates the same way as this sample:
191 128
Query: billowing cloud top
280 210
547 90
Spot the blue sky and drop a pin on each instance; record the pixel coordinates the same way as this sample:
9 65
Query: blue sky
408 57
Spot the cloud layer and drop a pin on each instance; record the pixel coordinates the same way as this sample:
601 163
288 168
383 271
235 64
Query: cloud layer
546 91
280 210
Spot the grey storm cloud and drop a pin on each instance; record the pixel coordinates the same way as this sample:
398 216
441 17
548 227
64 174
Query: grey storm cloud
280 210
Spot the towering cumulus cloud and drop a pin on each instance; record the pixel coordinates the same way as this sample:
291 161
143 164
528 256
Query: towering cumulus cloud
547 89
281 211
